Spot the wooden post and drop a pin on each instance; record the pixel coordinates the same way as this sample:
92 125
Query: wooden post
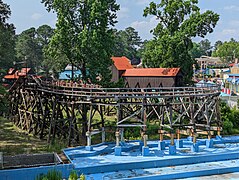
160 135
102 123
84 121
88 133
145 140
218 131
117 138
52 120
172 138
194 137
178 134
143 115
209 135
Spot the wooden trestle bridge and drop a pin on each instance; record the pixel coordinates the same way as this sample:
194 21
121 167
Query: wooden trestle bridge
76 113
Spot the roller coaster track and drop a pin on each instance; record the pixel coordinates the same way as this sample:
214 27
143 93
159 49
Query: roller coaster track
74 112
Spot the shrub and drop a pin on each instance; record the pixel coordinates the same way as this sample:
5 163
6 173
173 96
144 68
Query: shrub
73 176
3 101
82 177
51 175
227 127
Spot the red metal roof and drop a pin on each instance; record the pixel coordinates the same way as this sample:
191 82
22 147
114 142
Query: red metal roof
144 72
11 71
11 76
17 73
23 71
122 63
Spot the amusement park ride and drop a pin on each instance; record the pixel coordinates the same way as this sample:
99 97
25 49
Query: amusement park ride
50 110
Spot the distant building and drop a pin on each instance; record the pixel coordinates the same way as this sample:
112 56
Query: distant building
205 61
153 77
119 67
67 73
14 74
144 77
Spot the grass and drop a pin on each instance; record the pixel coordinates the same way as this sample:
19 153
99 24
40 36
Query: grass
15 141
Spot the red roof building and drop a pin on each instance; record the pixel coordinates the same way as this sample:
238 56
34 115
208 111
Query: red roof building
119 67
152 77
144 77
152 72
25 71
122 63
14 74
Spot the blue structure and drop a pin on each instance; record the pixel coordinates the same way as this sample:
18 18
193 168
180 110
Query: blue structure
101 163
66 75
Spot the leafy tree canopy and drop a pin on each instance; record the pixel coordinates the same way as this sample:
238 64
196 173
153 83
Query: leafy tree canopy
217 44
179 21
227 51
203 48
30 45
127 43
7 37
196 51
206 47
84 35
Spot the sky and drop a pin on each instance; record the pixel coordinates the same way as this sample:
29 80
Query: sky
31 13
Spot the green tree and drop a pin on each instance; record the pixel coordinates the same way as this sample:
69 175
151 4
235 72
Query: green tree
28 49
206 47
227 51
127 43
7 37
179 21
217 44
196 51
84 35
3 101
44 34
30 46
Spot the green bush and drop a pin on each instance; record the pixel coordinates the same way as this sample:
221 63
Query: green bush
82 177
56 175
230 118
51 175
235 118
227 127
3 100
73 176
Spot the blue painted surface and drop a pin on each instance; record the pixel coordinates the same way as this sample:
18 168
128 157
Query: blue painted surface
32 173
190 138
209 143
179 143
145 151
161 145
66 75
89 148
172 149
195 147
101 162
170 172
187 174
118 150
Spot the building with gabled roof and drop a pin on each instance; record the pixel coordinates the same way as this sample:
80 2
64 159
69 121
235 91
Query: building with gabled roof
152 77
119 67
144 77
142 72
